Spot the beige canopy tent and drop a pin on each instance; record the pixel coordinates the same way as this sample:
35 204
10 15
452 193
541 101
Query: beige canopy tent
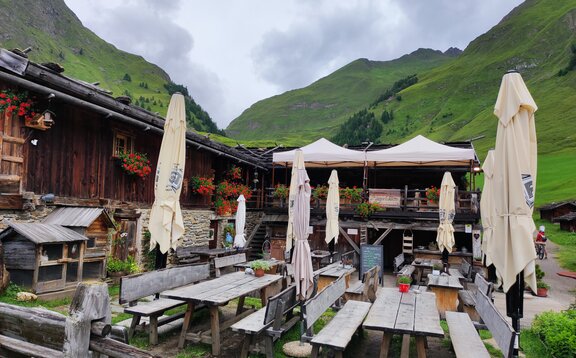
421 151
323 153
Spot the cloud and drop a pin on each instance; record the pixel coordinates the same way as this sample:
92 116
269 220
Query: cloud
327 36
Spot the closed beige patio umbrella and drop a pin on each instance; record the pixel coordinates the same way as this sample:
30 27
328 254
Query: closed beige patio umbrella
290 237
487 204
332 208
302 258
166 224
512 249
447 210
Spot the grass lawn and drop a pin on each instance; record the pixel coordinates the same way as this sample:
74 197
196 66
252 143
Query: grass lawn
566 240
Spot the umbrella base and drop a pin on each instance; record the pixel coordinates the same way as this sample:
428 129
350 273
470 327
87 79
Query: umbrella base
297 349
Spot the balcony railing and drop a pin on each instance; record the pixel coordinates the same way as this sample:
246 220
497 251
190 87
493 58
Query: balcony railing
392 200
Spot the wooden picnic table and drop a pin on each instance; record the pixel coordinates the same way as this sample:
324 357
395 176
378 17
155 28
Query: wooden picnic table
208 254
408 314
423 264
332 272
318 256
446 289
272 262
215 293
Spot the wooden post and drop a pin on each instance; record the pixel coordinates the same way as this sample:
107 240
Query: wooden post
90 303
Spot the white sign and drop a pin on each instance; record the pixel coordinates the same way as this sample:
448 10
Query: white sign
468 228
386 198
352 231
310 229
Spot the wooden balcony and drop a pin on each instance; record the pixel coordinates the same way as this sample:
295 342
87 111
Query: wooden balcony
402 204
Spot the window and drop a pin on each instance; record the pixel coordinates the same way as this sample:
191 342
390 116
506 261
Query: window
123 142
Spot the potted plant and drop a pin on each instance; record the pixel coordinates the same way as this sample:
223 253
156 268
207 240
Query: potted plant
404 283
281 193
433 194
202 185
366 209
135 163
541 286
351 195
259 266
542 289
436 269
117 268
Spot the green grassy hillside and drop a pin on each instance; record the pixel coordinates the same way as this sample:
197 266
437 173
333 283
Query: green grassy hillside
299 116
55 34
453 99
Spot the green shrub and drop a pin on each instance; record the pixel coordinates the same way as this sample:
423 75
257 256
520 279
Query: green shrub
558 331
116 265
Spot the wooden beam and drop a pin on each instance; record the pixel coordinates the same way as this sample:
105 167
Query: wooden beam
115 349
350 241
388 230
28 349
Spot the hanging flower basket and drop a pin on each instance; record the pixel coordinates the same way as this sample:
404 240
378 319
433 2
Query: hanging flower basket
17 103
202 185
433 195
136 164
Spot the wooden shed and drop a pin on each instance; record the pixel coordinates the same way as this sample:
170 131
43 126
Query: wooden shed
43 257
567 222
551 211
95 224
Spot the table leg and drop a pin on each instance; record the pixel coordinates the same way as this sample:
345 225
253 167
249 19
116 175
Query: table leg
215 327
419 275
421 346
264 296
405 352
240 307
385 346
185 325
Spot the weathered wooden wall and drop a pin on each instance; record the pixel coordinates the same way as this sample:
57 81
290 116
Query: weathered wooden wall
74 159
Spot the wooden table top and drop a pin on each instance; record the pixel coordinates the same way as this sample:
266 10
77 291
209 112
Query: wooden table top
219 291
319 254
426 263
336 270
405 313
444 281
271 262
216 252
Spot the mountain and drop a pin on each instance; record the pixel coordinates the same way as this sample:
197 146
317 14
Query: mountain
299 116
55 34
455 93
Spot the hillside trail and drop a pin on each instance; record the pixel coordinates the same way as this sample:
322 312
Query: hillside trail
561 294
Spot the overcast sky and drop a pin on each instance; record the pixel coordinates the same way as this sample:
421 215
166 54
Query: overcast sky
231 54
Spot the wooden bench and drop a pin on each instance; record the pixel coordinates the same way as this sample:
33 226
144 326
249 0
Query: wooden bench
339 331
366 289
465 339
271 321
463 272
400 268
185 256
467 300
37 332
227 261
135 287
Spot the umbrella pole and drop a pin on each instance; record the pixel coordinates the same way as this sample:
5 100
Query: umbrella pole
515 307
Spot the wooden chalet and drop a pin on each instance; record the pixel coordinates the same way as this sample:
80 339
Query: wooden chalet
69 155
567 222
397 183
552 211
43 257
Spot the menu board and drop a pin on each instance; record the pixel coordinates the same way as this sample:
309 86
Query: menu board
370 256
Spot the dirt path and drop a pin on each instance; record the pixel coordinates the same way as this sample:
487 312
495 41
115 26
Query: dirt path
560 295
